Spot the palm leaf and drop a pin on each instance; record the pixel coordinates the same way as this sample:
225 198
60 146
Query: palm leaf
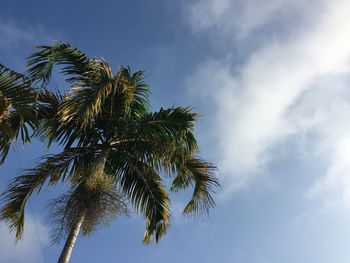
85 100
200 174
74 63
168 121
17 105
127 102
145 190
72 162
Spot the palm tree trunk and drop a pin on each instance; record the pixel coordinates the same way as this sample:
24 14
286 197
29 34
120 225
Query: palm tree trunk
72 237
74 232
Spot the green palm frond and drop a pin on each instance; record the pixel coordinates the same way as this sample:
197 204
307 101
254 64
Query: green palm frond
6 133
173 119
92 82
165 125
162 138
17 88
5 106
135 92
91 79
74 63
140 103
84 101
48 104
17 104
167 122
167 130
128 101
201 174
51 128
145 190
19 125
67 134
69 164
16 197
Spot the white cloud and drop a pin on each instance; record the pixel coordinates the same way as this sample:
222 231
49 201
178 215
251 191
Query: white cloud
240 18
335 186
12 34
259 104
17 40
28 249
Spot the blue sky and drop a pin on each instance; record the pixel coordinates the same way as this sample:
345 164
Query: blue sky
271 81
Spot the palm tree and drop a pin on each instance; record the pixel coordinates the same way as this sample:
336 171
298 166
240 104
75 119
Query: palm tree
17 109
108 134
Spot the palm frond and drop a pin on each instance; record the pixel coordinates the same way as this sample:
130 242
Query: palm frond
127 102
74 63
17 108
71 162
168 128
17 89
167 123
92 80
85 100
160 139
140 104
136 91
48 104
18 193
145 190
200 174
50 128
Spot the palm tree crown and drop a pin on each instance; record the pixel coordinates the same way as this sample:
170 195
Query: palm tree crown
108 133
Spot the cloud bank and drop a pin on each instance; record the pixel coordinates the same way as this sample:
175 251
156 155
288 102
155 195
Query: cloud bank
293 84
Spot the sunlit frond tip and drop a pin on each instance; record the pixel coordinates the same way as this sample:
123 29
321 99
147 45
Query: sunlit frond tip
202 175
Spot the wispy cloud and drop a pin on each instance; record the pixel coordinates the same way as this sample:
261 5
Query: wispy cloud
260 103
335 185
13 35
239 19
29 249
17 40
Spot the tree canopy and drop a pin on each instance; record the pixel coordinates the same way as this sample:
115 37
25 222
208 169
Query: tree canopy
107 133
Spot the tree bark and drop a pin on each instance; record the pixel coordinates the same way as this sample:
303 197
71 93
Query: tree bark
72 237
